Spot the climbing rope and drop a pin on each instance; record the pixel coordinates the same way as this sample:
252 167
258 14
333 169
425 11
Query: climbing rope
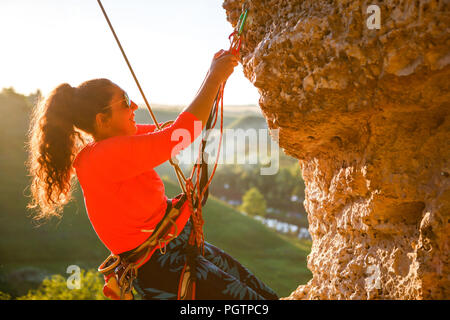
197 236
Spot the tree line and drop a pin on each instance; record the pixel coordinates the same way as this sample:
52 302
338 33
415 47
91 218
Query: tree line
282 193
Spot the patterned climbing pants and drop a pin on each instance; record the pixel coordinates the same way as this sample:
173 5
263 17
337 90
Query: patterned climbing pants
219 276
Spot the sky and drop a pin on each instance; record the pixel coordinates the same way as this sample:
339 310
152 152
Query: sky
170 45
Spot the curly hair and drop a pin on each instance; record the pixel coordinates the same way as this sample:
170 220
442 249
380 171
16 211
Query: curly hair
61 125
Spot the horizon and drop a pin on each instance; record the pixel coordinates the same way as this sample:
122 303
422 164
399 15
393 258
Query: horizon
140 105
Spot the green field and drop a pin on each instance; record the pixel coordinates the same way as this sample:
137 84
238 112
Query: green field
28 253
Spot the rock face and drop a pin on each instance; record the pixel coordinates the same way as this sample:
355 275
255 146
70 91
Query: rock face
366 112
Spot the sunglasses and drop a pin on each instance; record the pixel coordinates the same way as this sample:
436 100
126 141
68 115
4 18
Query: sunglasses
125 98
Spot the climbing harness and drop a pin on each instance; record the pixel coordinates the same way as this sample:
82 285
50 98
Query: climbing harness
119 274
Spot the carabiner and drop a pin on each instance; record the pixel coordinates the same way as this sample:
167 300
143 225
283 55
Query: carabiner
242 20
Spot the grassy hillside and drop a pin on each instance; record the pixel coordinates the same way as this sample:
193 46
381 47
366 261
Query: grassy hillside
28 253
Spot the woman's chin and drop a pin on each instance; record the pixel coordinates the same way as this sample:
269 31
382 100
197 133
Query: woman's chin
132 128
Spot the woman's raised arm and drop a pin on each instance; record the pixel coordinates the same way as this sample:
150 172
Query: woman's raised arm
221 68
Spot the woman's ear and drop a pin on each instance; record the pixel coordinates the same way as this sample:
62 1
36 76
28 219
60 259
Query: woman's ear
101 121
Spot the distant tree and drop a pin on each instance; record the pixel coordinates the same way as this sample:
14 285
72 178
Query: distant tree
34 98
5 296
9 91
253 203
55 288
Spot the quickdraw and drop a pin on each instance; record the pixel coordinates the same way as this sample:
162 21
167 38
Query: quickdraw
196 193
236 34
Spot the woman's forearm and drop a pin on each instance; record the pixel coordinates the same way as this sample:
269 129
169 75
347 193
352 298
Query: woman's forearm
202 104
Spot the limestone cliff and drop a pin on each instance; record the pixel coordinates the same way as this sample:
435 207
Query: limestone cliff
366 112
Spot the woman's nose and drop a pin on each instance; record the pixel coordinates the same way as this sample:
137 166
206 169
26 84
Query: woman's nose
134 106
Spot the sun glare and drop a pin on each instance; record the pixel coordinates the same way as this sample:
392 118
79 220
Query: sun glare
169 44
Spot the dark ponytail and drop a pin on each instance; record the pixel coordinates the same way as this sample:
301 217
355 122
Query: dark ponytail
60 127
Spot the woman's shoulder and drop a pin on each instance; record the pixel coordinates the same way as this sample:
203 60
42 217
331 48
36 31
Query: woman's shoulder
82 153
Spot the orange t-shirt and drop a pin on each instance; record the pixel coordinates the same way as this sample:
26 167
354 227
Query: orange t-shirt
123 194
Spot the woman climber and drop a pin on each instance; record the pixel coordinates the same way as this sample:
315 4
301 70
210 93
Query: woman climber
124 196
